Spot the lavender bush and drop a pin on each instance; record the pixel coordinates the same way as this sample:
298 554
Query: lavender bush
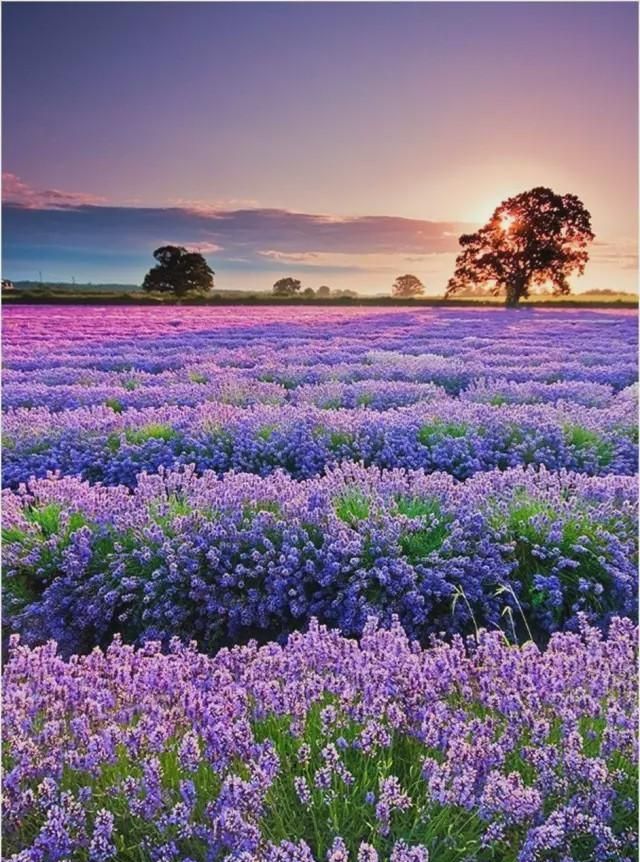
221 561
325 749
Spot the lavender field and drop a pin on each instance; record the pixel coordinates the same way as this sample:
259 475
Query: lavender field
306 584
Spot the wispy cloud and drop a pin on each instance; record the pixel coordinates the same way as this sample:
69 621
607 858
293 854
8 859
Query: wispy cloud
211 207
256 234
291 257
201 247
20 194
623 252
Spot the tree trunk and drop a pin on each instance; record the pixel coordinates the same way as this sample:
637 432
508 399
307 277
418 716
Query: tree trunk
513 296
517 290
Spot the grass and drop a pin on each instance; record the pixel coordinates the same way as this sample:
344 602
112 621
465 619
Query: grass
352 506
344 810
114 404
528 523
435 431
339 439
139 436
266 432
585 440
418 544
26 585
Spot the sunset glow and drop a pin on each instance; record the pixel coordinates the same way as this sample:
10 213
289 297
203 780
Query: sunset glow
506 222
347 174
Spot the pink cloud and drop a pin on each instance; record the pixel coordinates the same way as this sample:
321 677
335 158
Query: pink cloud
290 257
211 208
18 193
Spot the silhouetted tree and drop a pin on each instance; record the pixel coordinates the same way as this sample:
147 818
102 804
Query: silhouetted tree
537 237
308 293
287 287
323 292
407 286
179 272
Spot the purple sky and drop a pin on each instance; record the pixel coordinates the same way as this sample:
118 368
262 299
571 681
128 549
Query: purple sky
340 142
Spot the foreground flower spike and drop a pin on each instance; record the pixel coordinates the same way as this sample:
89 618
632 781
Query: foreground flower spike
491 749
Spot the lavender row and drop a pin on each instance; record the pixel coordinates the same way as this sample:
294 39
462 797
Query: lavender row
239 388
119 338
325 750
220 561
452 436
136 380
101 356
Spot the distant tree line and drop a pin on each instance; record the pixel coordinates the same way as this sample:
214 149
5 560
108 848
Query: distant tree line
290 287
532 239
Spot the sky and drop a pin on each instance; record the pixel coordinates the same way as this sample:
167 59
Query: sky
340 143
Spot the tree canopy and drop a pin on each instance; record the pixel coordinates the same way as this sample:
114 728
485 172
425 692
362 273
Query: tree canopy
179 272
535 238
287 287
407 286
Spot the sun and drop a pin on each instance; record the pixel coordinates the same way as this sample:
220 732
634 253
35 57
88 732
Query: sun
506 222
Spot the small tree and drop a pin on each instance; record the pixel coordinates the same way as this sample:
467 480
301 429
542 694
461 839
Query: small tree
407 286
287 287
179 272
323 292
537 237
309 293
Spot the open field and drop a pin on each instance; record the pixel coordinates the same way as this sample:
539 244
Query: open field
33 294
345 583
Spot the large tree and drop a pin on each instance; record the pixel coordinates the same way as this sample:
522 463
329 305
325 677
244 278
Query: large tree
534 238
179 272
287 287
407 286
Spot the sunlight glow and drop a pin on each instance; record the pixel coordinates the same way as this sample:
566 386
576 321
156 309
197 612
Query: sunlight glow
506 222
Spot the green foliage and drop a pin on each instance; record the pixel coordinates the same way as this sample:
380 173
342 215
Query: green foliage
266 432
407 287
352 506
434 529
365 399
153 431
44 523
252 510
528 522
584 439
435 431
179 272
114 404
48 520
174 507
339 439
287 287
